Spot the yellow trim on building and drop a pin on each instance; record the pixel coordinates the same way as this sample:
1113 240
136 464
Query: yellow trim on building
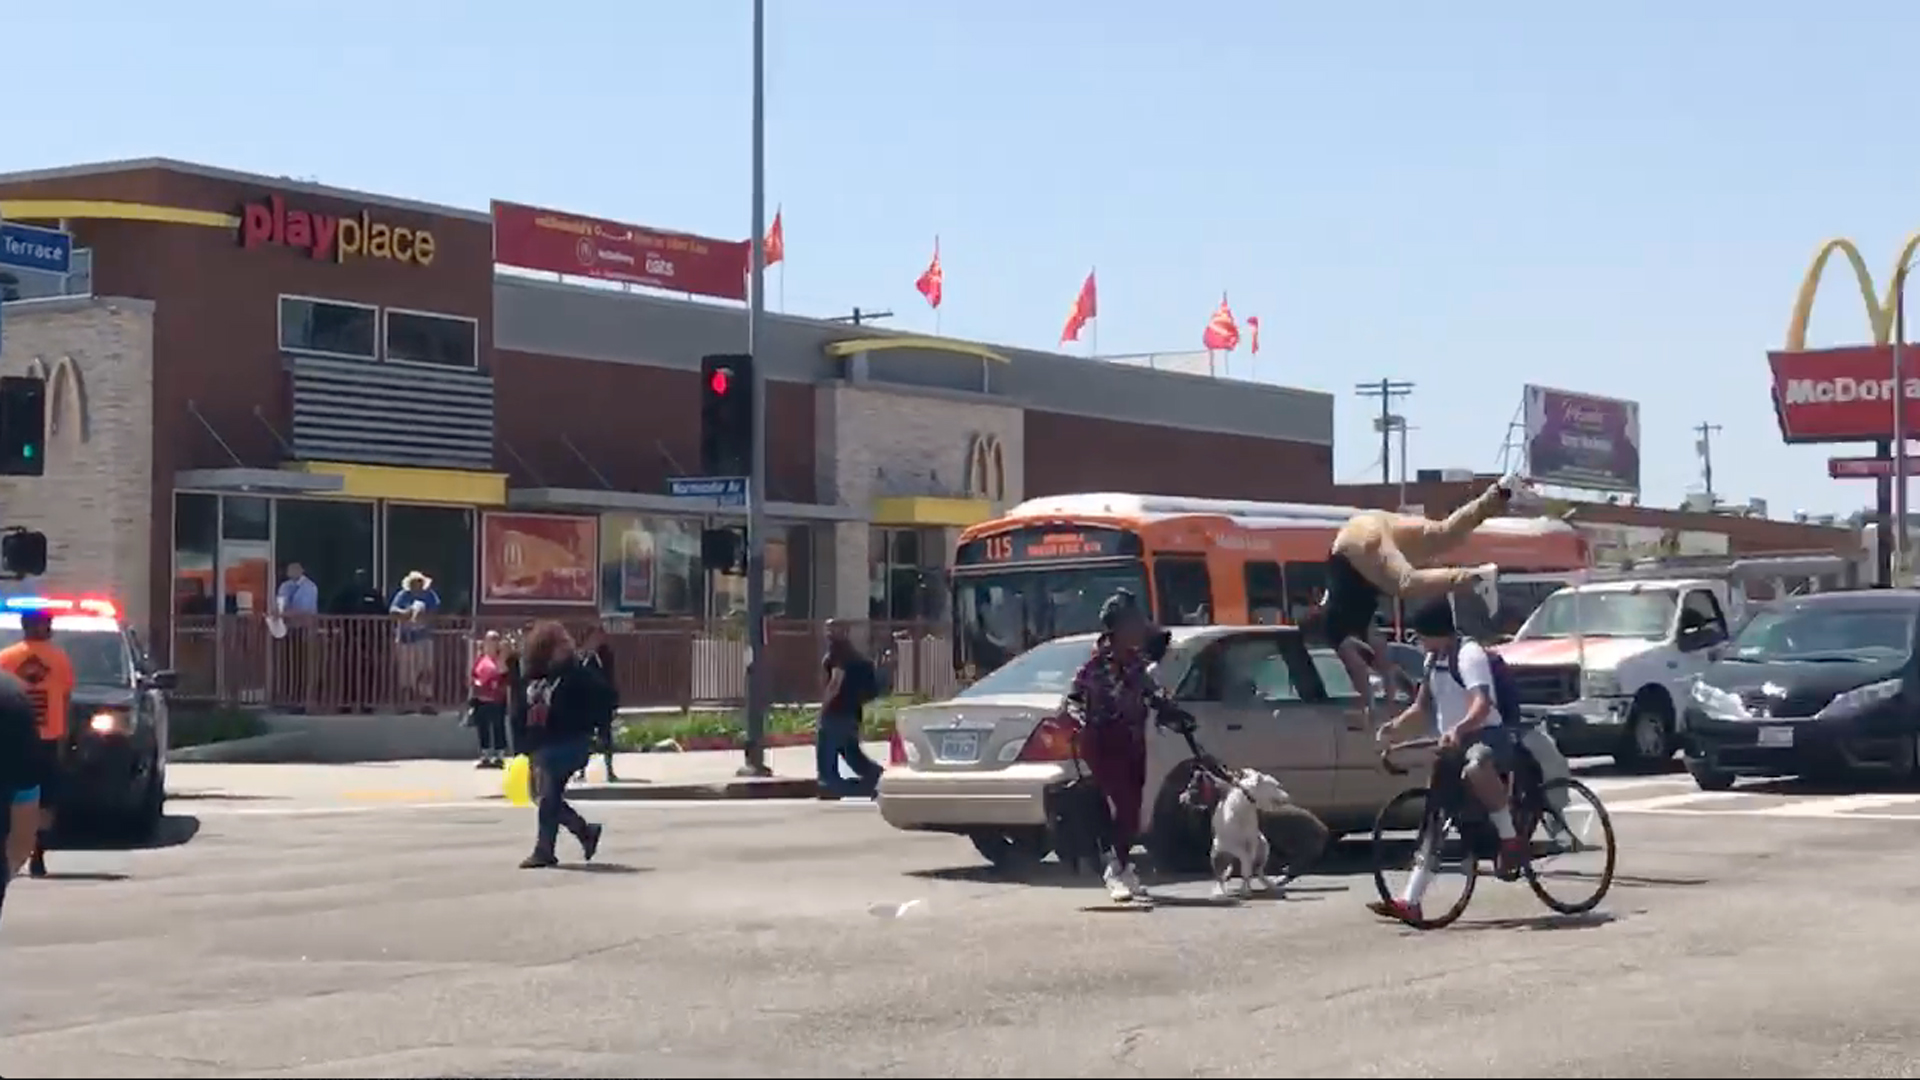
98 209
461 486
928 510
931 344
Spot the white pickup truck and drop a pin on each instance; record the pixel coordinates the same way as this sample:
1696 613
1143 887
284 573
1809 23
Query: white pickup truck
1603 665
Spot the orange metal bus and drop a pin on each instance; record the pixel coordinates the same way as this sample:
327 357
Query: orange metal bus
1043 569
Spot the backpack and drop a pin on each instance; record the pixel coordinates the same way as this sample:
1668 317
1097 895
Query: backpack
862 683
1506 693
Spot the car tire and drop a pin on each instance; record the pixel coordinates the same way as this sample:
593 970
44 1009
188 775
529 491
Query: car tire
1648 743
1180 840
1011 851
142 822
1708 778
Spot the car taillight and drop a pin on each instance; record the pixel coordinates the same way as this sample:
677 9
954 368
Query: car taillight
1053 739
896 747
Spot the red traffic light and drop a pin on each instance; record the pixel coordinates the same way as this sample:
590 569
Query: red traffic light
722 378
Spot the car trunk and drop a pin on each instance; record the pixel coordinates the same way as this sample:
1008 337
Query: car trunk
973 733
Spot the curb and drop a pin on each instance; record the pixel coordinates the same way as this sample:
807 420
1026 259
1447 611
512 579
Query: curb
274 747
772 787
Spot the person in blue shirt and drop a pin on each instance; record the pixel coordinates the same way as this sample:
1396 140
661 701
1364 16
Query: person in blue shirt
413 608
295 603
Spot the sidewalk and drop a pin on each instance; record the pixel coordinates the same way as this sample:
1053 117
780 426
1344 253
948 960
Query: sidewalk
693 775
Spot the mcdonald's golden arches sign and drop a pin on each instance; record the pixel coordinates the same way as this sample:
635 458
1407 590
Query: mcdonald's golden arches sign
1842 394
987 469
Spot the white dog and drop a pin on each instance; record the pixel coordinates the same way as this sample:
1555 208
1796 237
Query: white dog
1237 838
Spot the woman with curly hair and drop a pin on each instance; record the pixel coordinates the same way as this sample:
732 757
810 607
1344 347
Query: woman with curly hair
564 700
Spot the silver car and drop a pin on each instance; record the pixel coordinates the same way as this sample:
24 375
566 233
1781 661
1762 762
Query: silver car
980 763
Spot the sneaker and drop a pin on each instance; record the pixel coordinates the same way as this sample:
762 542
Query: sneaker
1117 888
1486 585
1513 856
1131 878
483 763
1397 910
37 866
538 861
590 843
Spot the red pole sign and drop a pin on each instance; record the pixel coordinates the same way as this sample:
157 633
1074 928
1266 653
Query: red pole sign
1859 468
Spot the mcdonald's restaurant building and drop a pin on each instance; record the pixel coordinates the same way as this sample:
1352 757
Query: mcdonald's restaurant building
247 371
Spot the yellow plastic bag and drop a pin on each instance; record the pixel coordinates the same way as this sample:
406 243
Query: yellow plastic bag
519 781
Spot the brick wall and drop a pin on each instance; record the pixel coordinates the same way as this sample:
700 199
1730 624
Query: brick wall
95 502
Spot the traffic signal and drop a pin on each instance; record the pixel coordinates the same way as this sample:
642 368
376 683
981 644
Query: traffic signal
23 426
726 415
23 552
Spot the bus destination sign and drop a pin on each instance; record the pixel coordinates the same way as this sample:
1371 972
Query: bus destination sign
1047 544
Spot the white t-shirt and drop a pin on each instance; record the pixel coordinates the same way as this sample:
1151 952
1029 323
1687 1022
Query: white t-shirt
1450 698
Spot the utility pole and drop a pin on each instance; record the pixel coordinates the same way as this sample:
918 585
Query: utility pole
756 764
858 317
1704 444
1388 391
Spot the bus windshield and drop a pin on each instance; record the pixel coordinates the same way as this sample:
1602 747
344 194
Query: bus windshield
1000 614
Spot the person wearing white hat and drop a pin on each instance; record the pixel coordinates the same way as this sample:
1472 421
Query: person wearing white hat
413 608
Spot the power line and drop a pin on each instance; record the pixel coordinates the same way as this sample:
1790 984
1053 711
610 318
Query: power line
1388 391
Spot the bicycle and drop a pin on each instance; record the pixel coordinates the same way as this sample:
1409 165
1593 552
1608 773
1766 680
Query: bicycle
1533 803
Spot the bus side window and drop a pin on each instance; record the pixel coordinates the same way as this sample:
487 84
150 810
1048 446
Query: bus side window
1306 584
1266 594
1183 592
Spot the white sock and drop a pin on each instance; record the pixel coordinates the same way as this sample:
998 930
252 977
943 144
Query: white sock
1417 884
1502 823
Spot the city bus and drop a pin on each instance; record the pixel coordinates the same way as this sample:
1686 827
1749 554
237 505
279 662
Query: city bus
1043 569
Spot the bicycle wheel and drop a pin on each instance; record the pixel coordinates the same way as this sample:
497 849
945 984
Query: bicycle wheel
1574 851
1394 857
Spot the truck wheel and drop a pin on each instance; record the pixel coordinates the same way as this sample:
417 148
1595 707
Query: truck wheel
1648 742
1707 777
142 822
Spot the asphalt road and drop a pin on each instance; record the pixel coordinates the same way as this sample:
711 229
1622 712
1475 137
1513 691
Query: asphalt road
810 940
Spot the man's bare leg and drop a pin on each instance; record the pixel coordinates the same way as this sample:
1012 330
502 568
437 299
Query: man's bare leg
1354 657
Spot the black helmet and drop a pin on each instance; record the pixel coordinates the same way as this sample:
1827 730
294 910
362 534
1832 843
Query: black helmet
1120 608
1433 618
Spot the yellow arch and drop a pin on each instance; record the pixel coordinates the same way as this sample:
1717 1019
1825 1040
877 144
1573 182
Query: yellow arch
931 344
104 210
987 469
1879 312
66 397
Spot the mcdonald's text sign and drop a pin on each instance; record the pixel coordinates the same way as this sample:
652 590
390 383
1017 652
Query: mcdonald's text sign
1844 394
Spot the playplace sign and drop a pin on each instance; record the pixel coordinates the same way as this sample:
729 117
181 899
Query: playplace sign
335 238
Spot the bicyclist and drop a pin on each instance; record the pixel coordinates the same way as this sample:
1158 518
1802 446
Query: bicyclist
1377 554
1475 746
1113 696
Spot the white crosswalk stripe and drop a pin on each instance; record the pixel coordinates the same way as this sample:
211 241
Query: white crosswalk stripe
1677 796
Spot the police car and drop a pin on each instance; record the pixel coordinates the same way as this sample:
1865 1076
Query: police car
116 772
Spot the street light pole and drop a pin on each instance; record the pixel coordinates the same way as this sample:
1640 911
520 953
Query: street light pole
1899 522
756 764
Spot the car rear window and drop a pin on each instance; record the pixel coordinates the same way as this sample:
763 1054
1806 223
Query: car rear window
1043 669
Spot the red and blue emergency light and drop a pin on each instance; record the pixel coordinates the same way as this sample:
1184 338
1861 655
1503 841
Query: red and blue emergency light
61 606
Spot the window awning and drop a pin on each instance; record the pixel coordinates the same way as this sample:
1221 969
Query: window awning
259 481
591 500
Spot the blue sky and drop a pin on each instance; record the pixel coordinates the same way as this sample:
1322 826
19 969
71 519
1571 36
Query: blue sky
1618 199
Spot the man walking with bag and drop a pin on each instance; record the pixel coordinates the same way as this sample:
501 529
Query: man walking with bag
852 682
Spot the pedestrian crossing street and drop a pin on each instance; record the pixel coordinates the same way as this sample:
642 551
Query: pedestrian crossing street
1677 796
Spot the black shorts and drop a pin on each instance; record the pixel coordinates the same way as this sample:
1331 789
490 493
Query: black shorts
1352 601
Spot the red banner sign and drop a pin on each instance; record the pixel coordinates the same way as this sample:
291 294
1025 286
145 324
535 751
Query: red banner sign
1840 395
535 239
1859 468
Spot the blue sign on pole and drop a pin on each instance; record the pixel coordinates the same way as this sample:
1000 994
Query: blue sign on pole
725 490
30 247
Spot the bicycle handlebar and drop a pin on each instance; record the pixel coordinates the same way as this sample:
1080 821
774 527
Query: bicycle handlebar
1386 754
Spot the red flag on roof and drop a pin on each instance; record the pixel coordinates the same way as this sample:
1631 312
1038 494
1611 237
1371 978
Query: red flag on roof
1221 332
1253 334
930 283
1086 308
776 243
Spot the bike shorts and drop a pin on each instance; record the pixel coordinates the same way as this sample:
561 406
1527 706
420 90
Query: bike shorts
1498 745
1352 601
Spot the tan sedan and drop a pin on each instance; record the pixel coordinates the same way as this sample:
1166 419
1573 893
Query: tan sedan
980 763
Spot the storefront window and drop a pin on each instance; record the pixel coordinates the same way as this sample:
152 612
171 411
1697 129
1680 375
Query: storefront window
329 327
196 544
905 579
333 540
438 542
415 337
246 553
650 565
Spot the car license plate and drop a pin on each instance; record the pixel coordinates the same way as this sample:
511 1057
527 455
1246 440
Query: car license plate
1776 736
958 747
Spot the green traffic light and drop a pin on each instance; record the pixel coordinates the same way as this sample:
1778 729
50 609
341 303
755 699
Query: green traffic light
29 452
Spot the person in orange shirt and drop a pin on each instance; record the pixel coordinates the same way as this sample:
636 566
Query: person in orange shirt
44 670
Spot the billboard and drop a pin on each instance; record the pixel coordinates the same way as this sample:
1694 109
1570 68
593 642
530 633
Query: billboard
535 239
1582 441
1843 394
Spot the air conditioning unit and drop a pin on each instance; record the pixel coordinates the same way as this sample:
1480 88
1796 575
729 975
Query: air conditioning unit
1698 502
1456 476
1757 508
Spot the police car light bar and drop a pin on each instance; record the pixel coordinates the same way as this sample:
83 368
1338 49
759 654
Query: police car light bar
100 608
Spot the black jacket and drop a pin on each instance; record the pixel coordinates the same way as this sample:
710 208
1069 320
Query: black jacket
565 703
602 663
19 751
